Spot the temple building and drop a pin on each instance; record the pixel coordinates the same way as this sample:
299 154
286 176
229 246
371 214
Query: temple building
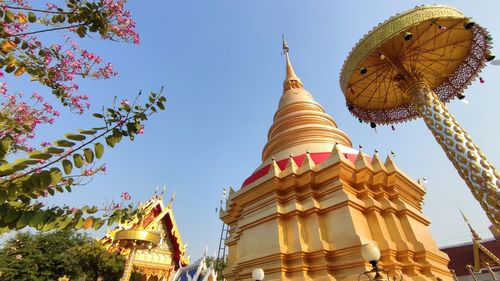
476 260
305 212
160 262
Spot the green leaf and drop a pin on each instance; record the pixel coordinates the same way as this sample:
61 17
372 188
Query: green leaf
10 69
64 223
33 182
118 135
78 160
49 225
59 189
25 218
9 17
64 143
51 191
39 218
55 175
5 145
98 223
39 155
67 166
92 210
97 115
31 17
99 150
81 31
45 179
89 155
160 105
54 150
25 161
80 223
75 137
3 195
68 188
6 170
87 132
12 214
111 141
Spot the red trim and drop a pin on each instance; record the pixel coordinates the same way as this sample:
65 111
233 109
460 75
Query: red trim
317 158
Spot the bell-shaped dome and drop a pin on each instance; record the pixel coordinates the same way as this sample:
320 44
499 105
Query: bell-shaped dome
300 124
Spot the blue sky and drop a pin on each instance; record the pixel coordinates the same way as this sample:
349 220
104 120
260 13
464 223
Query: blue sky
222 70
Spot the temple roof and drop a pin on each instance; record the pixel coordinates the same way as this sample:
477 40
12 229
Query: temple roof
476 253
158 219
198 271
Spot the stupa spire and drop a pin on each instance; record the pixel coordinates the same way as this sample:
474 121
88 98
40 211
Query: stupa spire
292 81
300 123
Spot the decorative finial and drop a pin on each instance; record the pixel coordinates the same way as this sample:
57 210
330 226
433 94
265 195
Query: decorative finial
472 231
291 80
285 44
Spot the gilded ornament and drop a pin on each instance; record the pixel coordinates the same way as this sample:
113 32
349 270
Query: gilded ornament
461 159
458 130
451 153
475 179
474 167
471 155
460 148
438 127
487 176
459 138
469 145
497 174
449 142
485 164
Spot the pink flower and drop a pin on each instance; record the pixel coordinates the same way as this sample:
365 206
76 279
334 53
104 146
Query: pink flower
141 130
124 102
126 196
45 143
117 206
73 209
3 88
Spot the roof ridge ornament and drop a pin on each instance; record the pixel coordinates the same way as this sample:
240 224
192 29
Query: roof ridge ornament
473 232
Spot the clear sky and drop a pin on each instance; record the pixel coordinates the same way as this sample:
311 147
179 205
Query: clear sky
221 66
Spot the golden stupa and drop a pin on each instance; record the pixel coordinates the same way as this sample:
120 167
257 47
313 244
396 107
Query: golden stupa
314 201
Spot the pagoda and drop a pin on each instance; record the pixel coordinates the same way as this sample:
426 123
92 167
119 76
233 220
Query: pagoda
163 260
305 212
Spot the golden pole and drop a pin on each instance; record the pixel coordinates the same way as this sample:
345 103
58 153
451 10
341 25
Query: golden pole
128 266
480 175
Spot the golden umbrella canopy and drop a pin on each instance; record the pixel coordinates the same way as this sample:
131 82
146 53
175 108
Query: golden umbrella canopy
438 42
